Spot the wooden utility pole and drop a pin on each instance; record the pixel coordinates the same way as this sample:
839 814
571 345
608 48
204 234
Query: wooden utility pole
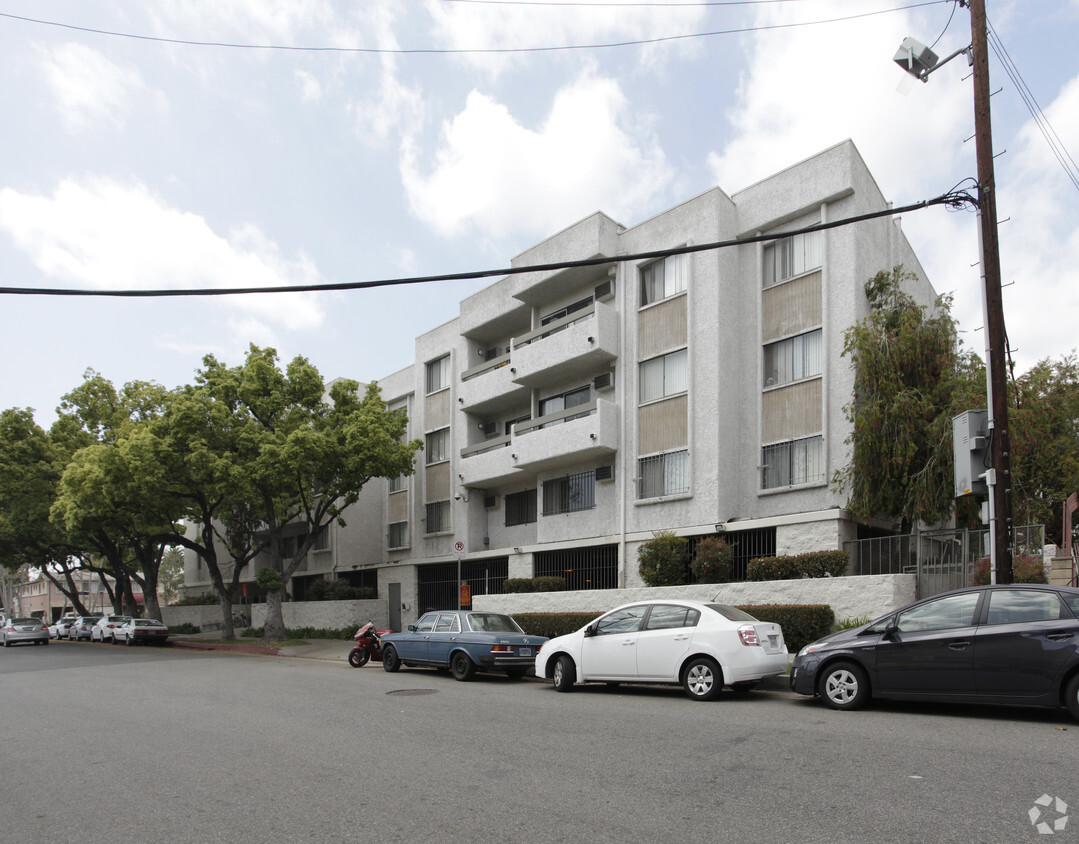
1000 480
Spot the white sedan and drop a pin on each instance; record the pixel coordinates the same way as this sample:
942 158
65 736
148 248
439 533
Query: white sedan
700 646
104 630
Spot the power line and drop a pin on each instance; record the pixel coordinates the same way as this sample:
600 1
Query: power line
448 51
954 199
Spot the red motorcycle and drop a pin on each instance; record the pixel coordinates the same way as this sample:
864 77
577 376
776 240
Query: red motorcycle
368 646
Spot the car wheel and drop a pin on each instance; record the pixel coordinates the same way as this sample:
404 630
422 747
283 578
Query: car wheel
564 675
845 685
390 662
358 657
702 679
1071 696
462 667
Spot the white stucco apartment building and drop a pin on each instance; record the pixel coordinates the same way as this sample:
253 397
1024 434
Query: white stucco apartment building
570 414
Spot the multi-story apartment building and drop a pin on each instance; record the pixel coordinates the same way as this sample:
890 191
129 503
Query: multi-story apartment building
570 414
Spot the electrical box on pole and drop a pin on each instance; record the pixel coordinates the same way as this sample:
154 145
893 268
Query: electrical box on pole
970 445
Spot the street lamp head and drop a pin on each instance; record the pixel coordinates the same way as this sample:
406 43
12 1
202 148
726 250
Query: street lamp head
915 58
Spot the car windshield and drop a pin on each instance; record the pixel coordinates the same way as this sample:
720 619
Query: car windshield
731 613
24 621
488 622
148 622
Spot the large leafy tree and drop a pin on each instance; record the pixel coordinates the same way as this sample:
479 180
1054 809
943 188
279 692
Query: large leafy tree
1044 421
910 379
306 453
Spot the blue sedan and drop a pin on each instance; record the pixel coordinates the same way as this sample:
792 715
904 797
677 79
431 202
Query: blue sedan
464 641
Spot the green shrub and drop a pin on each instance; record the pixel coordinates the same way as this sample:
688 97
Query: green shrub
1025 569
185 628
344 633
850 623
550 584
664 560
517 585
339 590
551 624
206 599
269 579
797 566
712 561
801 623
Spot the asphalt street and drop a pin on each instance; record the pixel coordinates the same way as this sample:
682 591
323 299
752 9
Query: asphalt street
179 745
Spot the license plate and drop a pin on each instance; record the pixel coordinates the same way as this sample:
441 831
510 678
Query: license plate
525 651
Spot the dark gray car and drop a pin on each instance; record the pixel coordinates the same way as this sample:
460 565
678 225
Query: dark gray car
1010 644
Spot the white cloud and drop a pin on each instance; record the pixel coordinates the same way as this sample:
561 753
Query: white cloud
89 90
499 177
104 234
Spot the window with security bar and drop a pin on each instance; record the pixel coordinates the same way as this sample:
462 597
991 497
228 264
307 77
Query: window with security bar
569 494
521 508
663 474
792 462
438 517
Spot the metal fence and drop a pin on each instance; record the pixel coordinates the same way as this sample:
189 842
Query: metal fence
437 582
942 560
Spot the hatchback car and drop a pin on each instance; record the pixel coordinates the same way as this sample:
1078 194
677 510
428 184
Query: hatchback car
700 646
142 631
1004 644
17 630
81 627
464 641
104 629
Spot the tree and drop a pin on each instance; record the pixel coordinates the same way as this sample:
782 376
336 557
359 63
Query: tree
304 458
910 380
1044 421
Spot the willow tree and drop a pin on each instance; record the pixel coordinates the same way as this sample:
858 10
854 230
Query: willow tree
910 379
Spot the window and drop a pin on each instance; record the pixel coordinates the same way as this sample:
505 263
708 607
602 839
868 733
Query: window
566 311
438 374
792 359
427 623
1010 606
569 494
670 617
663 279
438 446
663 474
438 517
564 401
517 421
664 376
397 484
398 535
322 541
521 508
952 611
626 620
792 462
448 622
791 256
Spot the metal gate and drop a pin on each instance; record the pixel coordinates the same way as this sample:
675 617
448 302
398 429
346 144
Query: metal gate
437 583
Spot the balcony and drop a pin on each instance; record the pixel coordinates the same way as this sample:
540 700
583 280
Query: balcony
488 463
577 435
574 347
489 388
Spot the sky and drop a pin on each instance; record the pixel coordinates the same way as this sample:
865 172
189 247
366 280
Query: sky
165 145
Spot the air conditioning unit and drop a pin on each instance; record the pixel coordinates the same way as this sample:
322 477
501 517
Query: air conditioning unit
603 381
490 501
605 291
605 473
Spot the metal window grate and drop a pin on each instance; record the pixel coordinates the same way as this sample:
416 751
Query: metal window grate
583 568
437 583
569 494
521 508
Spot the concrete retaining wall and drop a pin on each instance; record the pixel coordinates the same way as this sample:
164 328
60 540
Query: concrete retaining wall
849 597
319 614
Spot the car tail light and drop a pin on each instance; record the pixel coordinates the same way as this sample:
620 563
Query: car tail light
502 649
748 634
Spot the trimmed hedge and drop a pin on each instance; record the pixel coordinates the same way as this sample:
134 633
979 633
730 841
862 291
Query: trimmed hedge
517 585
797 566
339 590
801 623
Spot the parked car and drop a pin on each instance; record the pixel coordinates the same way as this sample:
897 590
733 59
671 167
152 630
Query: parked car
81 627
1010 644
144 631
465 641
104 628
59 628
700 646
17 630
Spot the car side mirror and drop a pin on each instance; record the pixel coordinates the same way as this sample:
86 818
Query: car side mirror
891 630
412 628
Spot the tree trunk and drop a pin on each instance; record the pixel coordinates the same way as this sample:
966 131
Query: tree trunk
274 631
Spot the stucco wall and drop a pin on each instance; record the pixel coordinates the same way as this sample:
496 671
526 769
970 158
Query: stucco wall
849 597
318 614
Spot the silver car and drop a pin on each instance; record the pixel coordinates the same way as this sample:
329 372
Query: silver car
17 630
104 630
81 628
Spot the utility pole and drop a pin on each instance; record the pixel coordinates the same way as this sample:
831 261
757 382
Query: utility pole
1000 477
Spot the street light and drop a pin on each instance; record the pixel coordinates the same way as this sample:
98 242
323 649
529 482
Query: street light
919 61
